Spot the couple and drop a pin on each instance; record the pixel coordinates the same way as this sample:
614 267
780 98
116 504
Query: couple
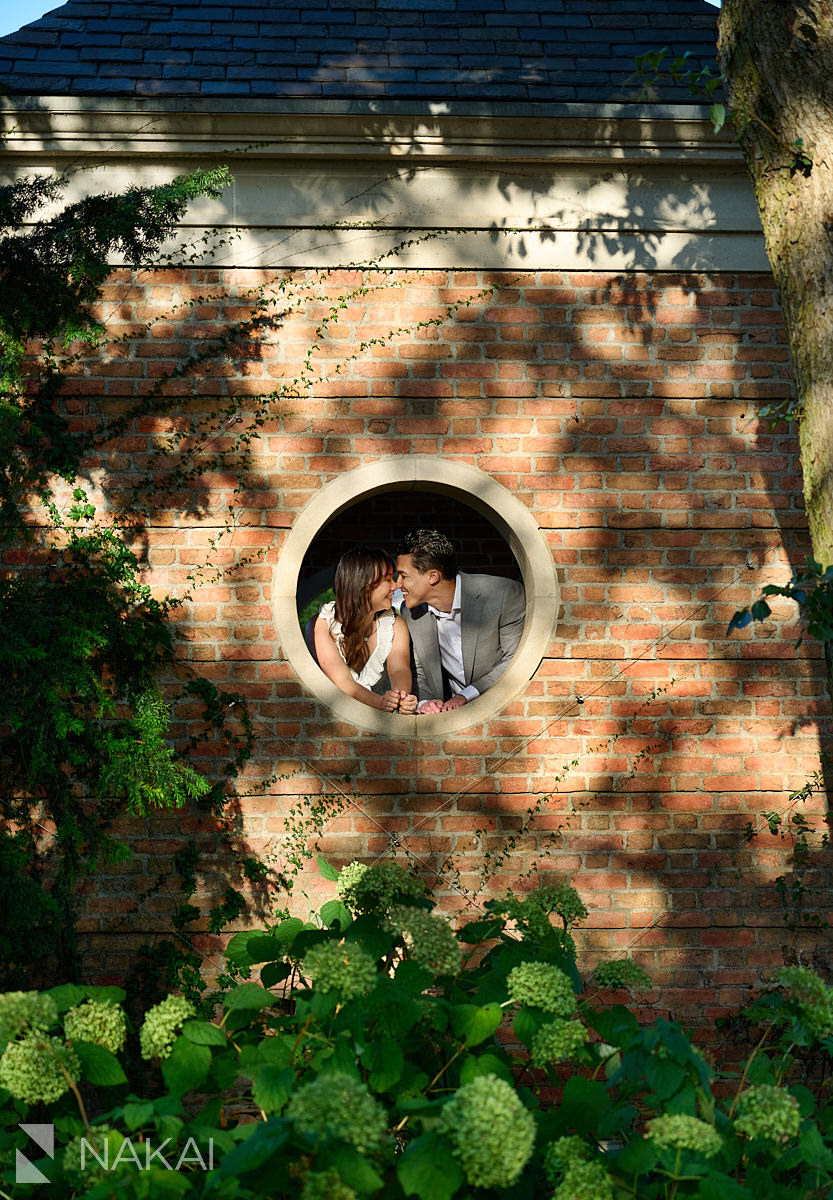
459 631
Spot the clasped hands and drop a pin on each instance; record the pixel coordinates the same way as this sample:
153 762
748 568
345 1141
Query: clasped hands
394 701
435 706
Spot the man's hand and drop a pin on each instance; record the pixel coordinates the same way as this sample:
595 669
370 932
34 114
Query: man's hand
429 706
455 702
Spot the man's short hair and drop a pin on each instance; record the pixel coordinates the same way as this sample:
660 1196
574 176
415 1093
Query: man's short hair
430 550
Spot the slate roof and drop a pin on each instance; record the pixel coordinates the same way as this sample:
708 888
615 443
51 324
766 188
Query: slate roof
495 51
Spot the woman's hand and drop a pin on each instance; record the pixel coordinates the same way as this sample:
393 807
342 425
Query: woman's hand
391 701
408 704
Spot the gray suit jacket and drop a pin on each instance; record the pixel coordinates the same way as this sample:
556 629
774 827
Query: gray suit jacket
492 620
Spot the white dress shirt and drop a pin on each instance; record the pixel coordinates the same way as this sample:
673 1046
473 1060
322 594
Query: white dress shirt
450 638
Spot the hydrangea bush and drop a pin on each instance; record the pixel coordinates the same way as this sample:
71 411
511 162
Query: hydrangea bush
381 1056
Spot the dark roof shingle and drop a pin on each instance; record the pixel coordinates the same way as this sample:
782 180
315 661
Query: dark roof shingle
479 50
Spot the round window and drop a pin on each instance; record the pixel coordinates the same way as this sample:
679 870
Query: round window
375 504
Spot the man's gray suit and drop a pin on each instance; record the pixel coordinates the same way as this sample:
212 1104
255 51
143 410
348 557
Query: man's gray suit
492 613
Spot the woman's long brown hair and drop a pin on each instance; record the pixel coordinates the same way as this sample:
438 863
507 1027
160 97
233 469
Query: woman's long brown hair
357 573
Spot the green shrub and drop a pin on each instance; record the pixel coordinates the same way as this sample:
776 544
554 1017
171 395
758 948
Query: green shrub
370 1061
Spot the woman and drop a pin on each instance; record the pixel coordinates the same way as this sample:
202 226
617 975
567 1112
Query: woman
360 642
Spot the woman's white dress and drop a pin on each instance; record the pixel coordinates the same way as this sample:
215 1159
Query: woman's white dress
373 674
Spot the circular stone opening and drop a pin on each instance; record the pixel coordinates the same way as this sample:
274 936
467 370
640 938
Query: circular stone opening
494 533
383 519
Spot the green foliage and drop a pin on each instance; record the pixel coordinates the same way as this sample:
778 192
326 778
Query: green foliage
85 729
378 1077
811 589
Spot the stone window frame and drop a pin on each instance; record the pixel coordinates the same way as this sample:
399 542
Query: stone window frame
478 491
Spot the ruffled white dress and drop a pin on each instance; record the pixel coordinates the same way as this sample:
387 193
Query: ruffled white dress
373 674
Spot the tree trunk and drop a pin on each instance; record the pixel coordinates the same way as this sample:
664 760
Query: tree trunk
777 56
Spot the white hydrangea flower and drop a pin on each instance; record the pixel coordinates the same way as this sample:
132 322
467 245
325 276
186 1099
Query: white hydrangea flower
342 967
338 1105
162 1024
767 1111
99 1021
542 985
22 1011
491 1132
677 1131
31 1068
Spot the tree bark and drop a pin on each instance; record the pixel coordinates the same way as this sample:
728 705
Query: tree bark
777 57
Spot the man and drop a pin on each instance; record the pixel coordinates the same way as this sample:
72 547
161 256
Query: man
464 628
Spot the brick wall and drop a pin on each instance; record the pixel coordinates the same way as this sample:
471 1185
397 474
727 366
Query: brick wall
622 412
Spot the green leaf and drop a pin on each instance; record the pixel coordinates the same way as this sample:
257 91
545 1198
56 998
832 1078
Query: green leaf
367 931
813 1150
336 912
584 1103
186 1066
327 870
480 931
203 1033
137 1115
637 1158
248 995
717 112
263 948
237 950
274 973
429 1170
717 1186
100 1066
474 1023
411 975
664 1075
288 930
484 1064
67 996
384 1061
265 1140
527 1023
355 1170
272 1086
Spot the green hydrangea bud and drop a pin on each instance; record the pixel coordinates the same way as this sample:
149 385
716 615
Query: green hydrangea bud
100 1021
375 889
621 973
490 1130
770 1112
31 1068
341 967
430 940
326 1185
22 1011
541 985
814 996
676 1131
79 1162
564 1153
337 1105
585 1181
557 1041
162 1024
